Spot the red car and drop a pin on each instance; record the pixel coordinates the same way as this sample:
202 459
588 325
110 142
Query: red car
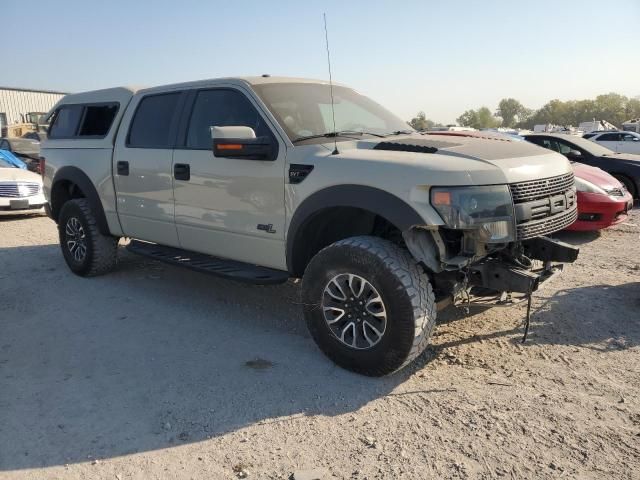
602 200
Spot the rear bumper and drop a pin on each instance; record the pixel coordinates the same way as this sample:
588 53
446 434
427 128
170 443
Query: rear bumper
597 211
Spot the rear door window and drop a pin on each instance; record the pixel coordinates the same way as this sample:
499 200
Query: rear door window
152 123
66 121
97 120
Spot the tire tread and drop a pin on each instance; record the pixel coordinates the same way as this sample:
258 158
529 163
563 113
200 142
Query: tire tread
416 283
104 247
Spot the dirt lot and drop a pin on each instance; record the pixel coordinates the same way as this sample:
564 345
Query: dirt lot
159 372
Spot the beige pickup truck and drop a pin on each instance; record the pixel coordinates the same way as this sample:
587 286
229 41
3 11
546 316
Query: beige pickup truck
264 179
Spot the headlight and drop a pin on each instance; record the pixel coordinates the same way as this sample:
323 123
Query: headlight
584 186
488 208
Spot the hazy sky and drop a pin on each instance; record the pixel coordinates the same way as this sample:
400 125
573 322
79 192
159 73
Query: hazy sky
440 57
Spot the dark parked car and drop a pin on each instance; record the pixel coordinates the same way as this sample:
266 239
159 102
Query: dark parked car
26 149
623 166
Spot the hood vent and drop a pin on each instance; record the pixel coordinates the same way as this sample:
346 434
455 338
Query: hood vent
412 144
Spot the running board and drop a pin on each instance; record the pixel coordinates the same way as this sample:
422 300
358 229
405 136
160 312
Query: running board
242 272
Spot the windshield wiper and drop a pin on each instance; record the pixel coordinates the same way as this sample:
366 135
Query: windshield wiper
400 132
341 133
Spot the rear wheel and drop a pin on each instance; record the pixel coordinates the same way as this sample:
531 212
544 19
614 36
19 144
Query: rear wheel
86 251
368 305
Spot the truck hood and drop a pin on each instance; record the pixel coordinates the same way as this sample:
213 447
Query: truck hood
482 159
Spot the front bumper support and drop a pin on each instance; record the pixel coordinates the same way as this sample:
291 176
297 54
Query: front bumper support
549 250
499 276
503 275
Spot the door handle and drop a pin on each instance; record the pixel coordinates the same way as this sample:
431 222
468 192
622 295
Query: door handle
123 168
181 171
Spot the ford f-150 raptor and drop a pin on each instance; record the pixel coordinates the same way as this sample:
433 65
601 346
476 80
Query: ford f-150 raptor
264 179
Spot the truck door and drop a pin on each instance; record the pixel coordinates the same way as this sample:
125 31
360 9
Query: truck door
228 207
142 168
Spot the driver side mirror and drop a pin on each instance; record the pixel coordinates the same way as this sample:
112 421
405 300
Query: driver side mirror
574 153
241 142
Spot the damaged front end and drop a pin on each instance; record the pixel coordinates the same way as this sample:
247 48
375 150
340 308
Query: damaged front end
493 242
466 269
522 267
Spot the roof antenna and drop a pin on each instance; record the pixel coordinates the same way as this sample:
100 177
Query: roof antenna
333 110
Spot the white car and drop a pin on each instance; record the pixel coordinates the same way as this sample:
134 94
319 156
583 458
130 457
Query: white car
20 190
620 142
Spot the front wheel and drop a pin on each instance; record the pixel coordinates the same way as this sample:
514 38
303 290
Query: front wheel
86 251
369 306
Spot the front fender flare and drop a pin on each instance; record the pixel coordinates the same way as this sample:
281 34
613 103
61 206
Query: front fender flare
391 208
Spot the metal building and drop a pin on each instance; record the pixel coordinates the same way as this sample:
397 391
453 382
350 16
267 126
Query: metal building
20 105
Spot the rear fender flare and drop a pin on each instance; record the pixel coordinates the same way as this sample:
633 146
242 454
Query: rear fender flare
76 176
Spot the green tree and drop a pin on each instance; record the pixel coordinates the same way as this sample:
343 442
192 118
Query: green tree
468 118
486 119
555 112
632 108
509 109
581 111
611 107
481 118
421 122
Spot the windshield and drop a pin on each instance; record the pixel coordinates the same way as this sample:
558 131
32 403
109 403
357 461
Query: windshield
304 109
591 147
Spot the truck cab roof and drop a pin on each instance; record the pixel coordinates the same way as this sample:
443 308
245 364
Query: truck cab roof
116 94
123 94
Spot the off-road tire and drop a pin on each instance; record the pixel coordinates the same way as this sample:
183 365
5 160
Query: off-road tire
101 250
405 290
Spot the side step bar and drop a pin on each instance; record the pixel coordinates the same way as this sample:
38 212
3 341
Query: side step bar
239 271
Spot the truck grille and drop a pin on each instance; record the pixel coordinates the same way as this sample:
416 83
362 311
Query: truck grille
19 189
544 206
547 225
526 191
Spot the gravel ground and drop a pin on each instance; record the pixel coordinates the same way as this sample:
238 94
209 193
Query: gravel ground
159 372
